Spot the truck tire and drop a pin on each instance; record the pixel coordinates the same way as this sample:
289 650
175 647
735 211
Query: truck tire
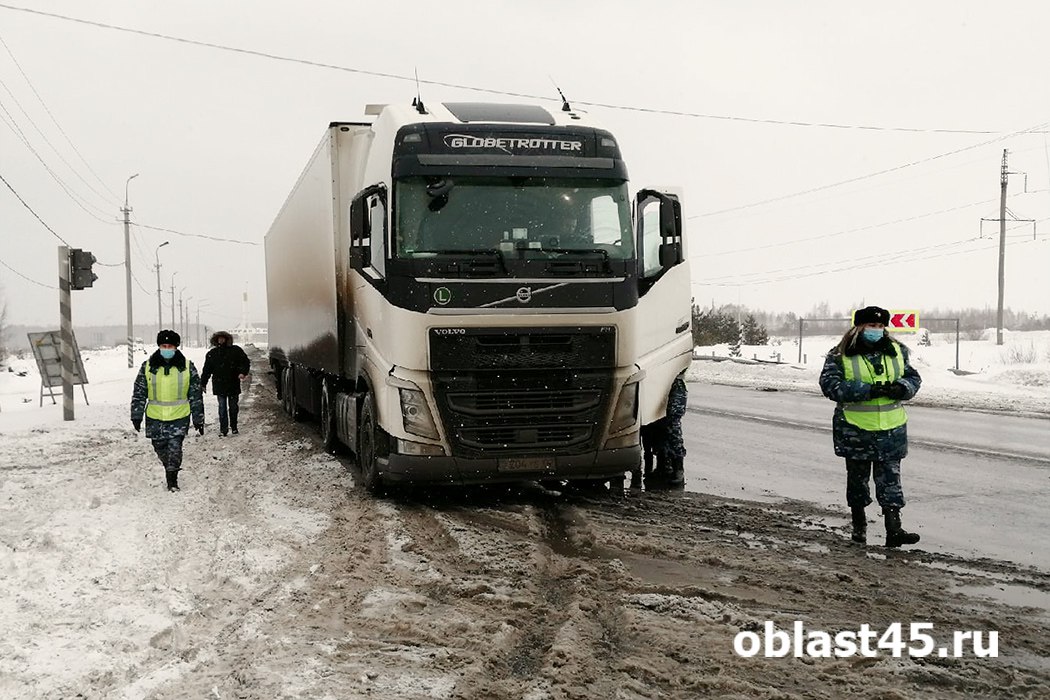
286 389
366 448
291 406
328 436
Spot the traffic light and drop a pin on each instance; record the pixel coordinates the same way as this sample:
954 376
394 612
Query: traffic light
80 274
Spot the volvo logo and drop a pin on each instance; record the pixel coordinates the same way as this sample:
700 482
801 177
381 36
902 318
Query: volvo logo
524 294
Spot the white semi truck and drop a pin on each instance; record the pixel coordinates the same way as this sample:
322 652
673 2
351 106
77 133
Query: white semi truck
465 293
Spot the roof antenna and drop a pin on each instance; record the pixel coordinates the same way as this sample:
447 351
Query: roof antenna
564 102
417 102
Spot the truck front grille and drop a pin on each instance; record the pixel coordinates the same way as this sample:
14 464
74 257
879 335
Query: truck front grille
511 392
523 402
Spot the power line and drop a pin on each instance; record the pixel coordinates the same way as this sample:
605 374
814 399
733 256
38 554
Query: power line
13 125
194 235
1032 129
905 257
414 79
854 261
29 279
24 204
34 125
838 233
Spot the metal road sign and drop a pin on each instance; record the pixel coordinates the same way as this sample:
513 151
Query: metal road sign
46 349
903 321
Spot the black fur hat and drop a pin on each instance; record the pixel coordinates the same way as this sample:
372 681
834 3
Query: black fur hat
168 338
871 314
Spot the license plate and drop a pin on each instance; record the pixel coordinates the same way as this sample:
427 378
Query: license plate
523 464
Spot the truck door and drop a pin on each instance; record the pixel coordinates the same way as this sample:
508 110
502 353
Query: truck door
662 322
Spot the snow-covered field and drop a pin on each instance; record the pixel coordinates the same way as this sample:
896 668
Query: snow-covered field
1011 377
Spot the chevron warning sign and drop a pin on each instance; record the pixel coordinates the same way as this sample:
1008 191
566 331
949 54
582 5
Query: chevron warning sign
903 321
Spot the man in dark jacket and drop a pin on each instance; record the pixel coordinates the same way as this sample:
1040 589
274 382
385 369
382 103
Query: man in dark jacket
226 365
168 392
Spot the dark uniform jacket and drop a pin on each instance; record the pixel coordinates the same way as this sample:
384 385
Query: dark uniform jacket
852 442
223 365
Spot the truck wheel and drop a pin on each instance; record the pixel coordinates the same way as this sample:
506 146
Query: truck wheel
286 390
328 436
291 405
366 448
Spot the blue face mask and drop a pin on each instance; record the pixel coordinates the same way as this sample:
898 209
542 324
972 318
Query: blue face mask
167 353
873 335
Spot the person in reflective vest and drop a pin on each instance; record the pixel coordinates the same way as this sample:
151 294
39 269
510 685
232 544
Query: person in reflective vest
168 393
868 376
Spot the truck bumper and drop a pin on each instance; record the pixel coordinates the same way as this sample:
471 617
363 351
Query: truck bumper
605 464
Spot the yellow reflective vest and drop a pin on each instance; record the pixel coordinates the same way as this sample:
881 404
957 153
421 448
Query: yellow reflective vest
882 413
167 394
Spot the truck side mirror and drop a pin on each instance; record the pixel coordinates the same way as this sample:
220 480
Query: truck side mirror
670 217
670 254
360 234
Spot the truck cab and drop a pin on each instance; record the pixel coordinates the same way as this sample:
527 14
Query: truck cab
500 307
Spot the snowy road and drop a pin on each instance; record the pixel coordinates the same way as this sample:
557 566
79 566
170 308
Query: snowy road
976 483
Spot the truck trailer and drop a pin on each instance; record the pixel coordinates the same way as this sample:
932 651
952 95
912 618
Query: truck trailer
467 292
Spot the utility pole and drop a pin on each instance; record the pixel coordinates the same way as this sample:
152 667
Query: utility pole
1003 179
173 299
186 327
182 316
127 270
65 310
156 255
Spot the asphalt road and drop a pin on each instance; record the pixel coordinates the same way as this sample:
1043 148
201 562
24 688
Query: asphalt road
977 484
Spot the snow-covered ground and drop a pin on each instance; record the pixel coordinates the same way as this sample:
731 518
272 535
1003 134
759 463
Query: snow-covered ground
110 586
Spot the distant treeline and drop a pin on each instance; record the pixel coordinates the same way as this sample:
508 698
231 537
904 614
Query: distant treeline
731 323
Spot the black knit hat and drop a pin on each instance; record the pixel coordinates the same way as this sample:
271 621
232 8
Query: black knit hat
871 314
168 338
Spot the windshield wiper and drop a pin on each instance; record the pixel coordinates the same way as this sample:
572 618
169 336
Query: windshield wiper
487 252
566 252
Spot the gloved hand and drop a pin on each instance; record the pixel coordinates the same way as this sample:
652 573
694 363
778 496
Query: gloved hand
896 391
199 427
878 391
137 424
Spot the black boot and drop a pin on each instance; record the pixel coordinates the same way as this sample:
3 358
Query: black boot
860 525
677 476
636 479
895 534
173 480
662 472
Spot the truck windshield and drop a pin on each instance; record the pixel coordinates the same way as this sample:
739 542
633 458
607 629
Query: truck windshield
519 215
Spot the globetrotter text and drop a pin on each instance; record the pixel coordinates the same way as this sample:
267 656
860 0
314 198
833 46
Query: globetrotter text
773 642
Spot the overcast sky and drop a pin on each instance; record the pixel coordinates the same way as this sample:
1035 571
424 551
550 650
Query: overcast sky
828 151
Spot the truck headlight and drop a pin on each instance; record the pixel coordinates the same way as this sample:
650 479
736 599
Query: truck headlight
416 414
626 410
